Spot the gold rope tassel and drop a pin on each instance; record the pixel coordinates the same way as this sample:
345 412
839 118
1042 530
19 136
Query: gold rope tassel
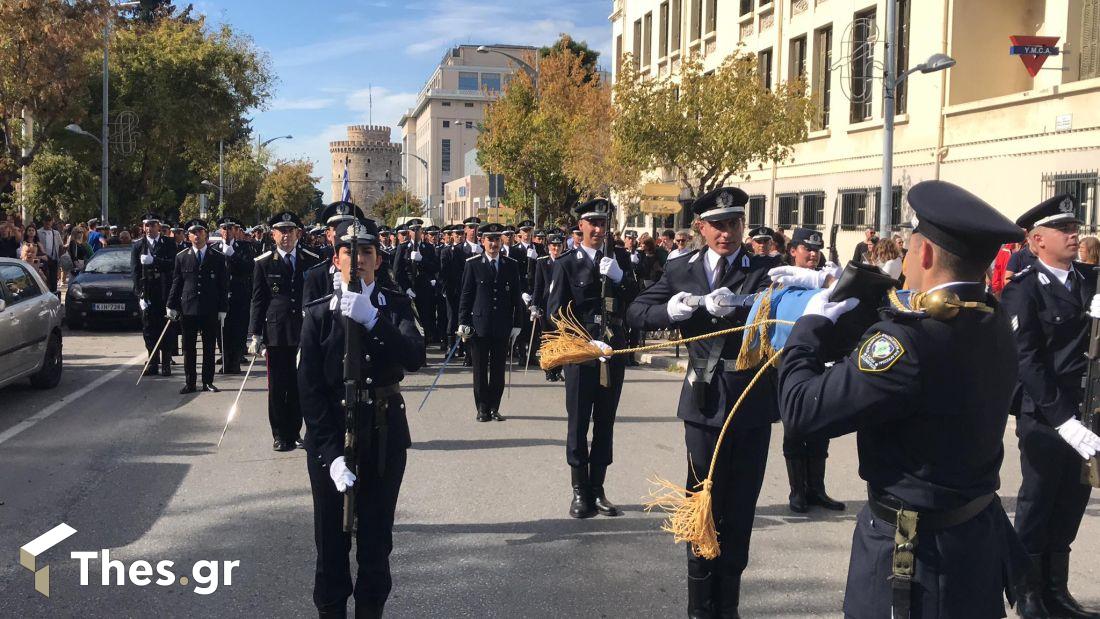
691 514
568 343
756 345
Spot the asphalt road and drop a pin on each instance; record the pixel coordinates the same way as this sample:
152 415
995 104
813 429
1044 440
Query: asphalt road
482 528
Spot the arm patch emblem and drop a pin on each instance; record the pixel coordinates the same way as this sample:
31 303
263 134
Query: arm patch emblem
879 353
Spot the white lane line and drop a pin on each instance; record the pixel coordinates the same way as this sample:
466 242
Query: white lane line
69 399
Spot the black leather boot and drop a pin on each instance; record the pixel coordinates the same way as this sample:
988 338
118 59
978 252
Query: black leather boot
582 506
730 597
796 476
815 486
700 604
1029 591
368 610
603 506
1056 596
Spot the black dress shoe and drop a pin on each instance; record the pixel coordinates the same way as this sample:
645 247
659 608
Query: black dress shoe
188 389
281 445
482 416
210 387
298 444
496 415
150 371
166 370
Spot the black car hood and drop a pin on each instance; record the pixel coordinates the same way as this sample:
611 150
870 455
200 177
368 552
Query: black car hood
104 281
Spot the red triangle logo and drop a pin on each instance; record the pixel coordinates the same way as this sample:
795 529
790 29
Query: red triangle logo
1033 62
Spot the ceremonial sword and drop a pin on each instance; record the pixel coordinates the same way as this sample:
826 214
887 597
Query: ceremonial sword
233 409
446 360
530 343
153 354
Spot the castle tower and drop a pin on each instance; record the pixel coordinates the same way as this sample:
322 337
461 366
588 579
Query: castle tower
373 163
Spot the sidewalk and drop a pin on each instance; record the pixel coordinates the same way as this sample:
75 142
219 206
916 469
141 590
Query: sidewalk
665 358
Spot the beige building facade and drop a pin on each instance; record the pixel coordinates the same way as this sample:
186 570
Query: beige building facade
985 124
442 127
372 161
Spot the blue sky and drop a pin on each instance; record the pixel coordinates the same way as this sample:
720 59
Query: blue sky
328 53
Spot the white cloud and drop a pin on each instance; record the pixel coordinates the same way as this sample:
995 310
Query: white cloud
387 106
315 103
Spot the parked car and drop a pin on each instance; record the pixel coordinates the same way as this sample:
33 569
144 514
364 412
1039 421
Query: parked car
103 291
30 327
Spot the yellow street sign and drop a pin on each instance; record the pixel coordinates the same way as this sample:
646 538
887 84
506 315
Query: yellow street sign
661 207
661 190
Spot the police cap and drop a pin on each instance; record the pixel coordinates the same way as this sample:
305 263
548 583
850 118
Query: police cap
721 203
810 238
598 208
959 221
1061 208
286 219
150 218
491 229
761 233
366 230
195 224
340 211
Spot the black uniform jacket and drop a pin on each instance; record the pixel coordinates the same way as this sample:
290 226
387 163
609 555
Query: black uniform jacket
199 290
277 297
318 279
453 265
1052 331
491 300
153 282
425 271
544 273
928 400
748 274
241 270
394 346
577 279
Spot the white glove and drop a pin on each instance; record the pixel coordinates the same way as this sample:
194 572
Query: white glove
1094 307
820 305
221 318
359 308
464 331
146 259
173 315
478 249
143 304
798 277
415 256
678 311
341 476
412 295
255 344
227 249
717 303
337 283
514 334
535 313
831 269
532 254
433 283
526 298
1080 438
634 259
610 267
602 346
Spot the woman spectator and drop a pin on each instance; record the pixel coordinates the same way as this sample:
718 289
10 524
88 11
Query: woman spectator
1089 251
78 249
29 253
887 257
651 269
9 240
30 237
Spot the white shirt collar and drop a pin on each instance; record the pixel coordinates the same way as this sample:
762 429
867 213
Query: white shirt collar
590 251
1061 274
710 263
283 254
948 284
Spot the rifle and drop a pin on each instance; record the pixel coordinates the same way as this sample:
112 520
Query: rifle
1090 413
609 302
833 229
353 338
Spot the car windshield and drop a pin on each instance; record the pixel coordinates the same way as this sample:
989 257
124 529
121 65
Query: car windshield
109 262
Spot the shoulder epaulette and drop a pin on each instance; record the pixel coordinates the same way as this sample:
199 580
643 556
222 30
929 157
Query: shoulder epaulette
266 254
473 257
1027 271
318 265
509 259
391 291
308 253
185 249
542 258
317 301
693 253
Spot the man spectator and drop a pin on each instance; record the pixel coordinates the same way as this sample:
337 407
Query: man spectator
866 246
95 237
50 242
997 277
9 240
682 243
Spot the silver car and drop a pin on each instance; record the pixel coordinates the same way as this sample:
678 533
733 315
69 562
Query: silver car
30 327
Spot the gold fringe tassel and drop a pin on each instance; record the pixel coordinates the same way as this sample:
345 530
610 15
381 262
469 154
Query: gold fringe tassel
691 514
756 345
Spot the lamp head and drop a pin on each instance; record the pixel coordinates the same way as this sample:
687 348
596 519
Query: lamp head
937 62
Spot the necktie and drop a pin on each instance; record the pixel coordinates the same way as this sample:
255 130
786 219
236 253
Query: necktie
1071 282
720 271
289 262
198 259
599 256
494 263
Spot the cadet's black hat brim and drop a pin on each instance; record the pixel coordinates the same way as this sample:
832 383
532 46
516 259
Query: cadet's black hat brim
959 221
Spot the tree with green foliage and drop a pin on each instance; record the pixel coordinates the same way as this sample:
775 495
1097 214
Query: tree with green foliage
62 187
288 186
393 204
706 128
588 56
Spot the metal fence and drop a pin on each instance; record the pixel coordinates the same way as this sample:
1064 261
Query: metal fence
1080 184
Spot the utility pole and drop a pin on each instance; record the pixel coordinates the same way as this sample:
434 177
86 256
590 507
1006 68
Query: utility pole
889 88
106 137
221 177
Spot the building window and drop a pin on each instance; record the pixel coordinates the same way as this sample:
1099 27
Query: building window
468 104
446 104
446 124
647 40
445 160
1089 57
746 7
490 82
788 210
696 19
469 124
813 210
796 69
823 74
1084 185
756 210
637 43
902 64
764 68
675 21
853 209
863 65
712 15
467 81
618 54
662 26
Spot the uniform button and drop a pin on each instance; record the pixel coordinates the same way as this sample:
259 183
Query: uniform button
713 321
369 381
366 357
369 402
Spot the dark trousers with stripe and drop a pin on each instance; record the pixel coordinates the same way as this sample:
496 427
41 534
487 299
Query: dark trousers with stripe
1052 498
192 327
588 403
283 410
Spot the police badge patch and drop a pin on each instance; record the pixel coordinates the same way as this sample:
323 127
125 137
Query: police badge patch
879 353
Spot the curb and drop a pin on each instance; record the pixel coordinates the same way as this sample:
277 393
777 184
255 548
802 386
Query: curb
661 361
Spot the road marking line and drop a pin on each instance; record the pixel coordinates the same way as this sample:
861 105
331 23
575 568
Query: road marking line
30 422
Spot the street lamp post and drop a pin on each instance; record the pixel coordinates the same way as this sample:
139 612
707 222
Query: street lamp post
260 145
105 142
219 187
427 189
890 82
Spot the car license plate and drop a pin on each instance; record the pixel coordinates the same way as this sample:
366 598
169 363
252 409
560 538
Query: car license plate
109 307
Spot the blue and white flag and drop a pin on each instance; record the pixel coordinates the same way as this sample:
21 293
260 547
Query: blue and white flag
345 193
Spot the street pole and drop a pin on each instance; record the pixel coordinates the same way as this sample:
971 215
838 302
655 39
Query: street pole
535 210
221 177
106 119
889 86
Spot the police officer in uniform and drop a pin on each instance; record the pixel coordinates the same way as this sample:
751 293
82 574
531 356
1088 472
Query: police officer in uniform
544 273
591 391
151 261
415 267
391 345
806 458
318 279
276 324
729 276
199 300
490 312
927 392
1048 305
239 260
